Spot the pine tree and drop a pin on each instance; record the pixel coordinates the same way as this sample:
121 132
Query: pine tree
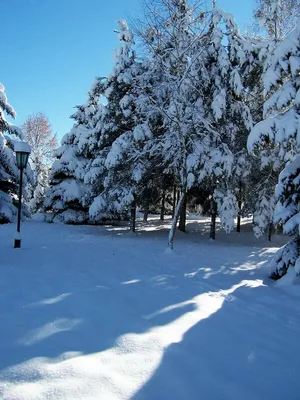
276 18
226 119
172 38
110 172
68 197
264 166
281 127
9 173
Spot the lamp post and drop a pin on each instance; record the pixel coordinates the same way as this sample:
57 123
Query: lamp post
22 150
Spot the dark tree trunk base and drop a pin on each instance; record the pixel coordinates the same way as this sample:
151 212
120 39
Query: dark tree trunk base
182 216
238 227
133 216
162 209
174 201
239 218
212 233
17 244
270 231
146 213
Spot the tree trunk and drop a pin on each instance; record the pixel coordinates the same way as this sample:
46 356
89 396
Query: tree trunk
275 27
133 216
175 220
270 231
146 212
212 233
174 201
182 215
239 217
178 196
162 208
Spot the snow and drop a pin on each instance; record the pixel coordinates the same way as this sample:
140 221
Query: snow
93 312
22 147
285 126
219 104
236 82
4 104
228 208
281 98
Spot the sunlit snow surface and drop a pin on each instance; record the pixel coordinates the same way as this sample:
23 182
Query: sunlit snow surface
100 313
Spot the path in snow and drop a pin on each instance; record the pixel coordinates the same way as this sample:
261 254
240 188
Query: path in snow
97 313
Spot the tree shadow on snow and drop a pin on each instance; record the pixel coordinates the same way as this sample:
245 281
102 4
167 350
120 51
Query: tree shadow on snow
196 231
238 351
50 307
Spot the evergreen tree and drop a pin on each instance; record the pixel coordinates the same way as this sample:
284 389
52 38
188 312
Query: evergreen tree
264 166
276 18
225 118
112 180
172 37
9 173
68 197
281 127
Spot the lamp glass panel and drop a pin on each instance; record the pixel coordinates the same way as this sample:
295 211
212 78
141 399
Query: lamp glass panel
22 159
19 161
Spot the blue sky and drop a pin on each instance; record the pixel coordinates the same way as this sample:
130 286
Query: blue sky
53 49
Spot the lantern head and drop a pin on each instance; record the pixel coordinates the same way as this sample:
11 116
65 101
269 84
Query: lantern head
22 150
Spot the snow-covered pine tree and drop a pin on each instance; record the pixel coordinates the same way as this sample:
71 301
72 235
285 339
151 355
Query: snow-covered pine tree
110 172
264 166
65 196
281 127
9 173
68 196
136 174
172 35
224 118
276 19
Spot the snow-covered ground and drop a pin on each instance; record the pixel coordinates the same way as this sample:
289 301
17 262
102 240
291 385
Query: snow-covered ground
100 313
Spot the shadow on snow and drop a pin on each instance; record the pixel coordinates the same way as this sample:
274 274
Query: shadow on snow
54 302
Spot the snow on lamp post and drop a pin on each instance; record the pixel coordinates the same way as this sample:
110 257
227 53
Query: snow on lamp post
22 150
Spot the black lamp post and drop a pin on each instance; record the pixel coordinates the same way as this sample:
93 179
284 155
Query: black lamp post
22 150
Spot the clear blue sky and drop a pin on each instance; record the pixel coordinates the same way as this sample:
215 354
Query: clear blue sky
51 50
